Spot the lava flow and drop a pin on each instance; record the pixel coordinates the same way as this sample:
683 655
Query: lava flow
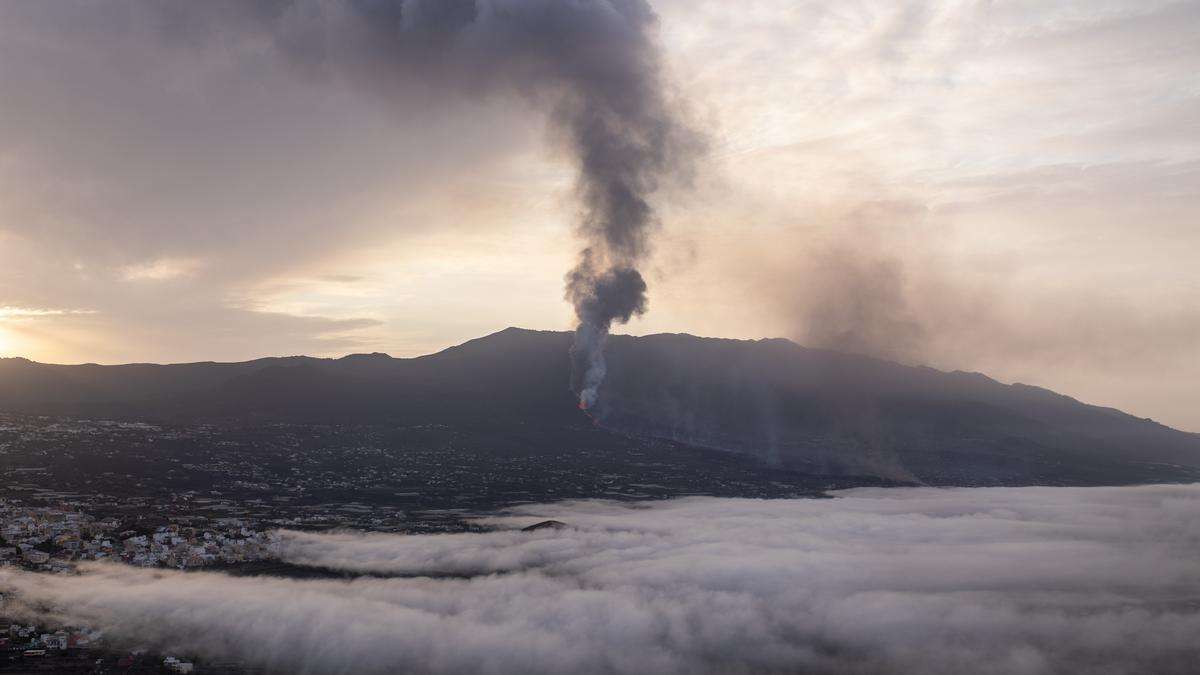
584 409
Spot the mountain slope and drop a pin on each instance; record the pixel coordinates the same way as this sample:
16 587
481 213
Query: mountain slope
829 412
816 411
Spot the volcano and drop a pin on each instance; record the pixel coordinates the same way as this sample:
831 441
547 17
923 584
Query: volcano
770 401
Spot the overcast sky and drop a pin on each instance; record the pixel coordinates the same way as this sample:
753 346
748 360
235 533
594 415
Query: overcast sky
1004 186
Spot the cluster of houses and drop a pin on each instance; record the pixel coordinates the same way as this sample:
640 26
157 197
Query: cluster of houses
30 643
50 539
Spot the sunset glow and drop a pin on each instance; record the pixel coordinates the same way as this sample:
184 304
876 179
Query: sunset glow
906 180
601 337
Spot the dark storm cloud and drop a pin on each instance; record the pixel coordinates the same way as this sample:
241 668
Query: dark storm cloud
1012 581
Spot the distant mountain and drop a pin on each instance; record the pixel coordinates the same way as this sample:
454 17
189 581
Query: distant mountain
815 411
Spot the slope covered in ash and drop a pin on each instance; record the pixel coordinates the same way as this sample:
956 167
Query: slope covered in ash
815 411
830 412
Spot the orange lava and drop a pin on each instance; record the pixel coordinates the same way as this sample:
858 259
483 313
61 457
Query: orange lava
585 412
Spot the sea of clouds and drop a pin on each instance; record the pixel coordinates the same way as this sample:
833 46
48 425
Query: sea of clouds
1008 581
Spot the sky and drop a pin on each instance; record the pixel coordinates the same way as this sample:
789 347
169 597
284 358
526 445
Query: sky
1005 186
872 581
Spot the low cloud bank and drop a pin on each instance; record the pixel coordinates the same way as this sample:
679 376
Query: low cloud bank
993 580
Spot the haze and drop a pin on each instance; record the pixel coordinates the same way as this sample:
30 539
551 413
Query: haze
1004 187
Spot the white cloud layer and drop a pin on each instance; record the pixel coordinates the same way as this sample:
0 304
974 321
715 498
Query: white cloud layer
993 580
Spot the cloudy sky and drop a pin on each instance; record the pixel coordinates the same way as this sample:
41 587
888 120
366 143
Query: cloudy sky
1003 186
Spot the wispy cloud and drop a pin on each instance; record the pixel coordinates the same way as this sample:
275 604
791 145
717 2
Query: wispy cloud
32 312
161 269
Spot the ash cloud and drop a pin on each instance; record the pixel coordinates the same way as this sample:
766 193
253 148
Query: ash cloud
858 303
993 580
592 64
600 297
336 120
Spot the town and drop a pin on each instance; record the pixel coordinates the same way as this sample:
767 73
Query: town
51 538
210 496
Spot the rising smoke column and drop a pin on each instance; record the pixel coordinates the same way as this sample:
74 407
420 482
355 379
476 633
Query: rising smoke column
596 64
600 296
627 139
592 64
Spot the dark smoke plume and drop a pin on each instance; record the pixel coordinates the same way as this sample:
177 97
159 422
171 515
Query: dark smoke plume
593 65
600 296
